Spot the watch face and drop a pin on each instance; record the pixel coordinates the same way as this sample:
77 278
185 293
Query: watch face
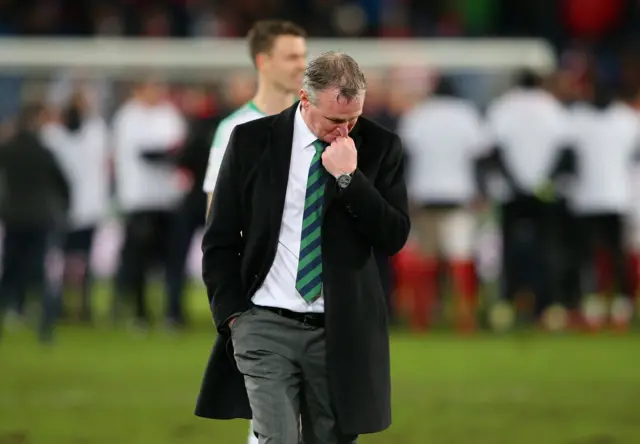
344 180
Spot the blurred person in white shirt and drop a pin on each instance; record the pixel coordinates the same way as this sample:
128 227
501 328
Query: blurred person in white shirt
443 139
78 139
147 130
528 132
607 133
633 225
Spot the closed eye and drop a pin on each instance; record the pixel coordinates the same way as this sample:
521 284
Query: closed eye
341 121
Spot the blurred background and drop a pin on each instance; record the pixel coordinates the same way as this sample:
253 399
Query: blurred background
514 306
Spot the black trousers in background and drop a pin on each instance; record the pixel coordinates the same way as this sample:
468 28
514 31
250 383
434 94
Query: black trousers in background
603 232
568 246
185 222
77 248
145 245
527 253
24 270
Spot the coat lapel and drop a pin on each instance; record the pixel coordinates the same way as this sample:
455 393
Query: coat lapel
331 190
279 161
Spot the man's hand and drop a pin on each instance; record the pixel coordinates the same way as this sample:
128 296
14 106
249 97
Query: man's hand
232 321
341 156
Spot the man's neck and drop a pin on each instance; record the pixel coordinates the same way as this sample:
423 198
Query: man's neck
271 101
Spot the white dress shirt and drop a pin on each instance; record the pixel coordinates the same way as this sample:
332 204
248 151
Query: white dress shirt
142 185
279 287
442 137
606 142
531 126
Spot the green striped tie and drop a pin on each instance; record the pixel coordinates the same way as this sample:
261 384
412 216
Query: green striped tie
309 279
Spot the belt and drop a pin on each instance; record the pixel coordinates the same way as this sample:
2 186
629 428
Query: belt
315 320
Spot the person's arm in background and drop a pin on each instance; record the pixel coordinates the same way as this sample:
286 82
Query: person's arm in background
191 161
564 166
493 162
60 180
167 152
480 158
52 135
565 163
222 242
491 159
158 154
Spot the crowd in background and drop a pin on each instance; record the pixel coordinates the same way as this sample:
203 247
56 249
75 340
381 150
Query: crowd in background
105 148
606 29
151 150
558 21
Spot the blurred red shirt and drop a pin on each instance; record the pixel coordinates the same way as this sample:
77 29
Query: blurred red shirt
591 18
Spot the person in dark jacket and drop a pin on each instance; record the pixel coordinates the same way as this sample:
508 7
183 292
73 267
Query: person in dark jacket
34 200
191 162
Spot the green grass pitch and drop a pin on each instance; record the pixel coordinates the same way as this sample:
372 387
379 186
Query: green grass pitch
103 386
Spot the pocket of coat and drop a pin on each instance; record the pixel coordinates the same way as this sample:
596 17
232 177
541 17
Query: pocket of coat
238 319
229 342
229 352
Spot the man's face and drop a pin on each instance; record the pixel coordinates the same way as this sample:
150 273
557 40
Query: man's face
332 114
284 65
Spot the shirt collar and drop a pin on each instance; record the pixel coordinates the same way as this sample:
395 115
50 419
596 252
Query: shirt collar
302 135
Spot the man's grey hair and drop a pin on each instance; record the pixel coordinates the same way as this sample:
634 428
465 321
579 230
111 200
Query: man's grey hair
334 70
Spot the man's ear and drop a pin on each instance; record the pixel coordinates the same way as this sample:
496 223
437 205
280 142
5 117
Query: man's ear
261 60
304 99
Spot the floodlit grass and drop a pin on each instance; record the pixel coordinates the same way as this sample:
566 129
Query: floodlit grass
110 386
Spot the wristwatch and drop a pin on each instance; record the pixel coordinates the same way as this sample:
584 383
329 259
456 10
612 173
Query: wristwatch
344 180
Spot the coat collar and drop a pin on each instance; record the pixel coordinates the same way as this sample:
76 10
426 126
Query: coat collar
279 159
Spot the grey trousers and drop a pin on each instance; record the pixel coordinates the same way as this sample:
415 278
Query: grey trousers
284 366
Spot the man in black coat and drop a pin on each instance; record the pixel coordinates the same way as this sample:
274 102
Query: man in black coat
34 200
303 200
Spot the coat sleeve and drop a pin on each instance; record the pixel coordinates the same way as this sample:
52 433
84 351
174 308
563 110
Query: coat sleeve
379 211
222 243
